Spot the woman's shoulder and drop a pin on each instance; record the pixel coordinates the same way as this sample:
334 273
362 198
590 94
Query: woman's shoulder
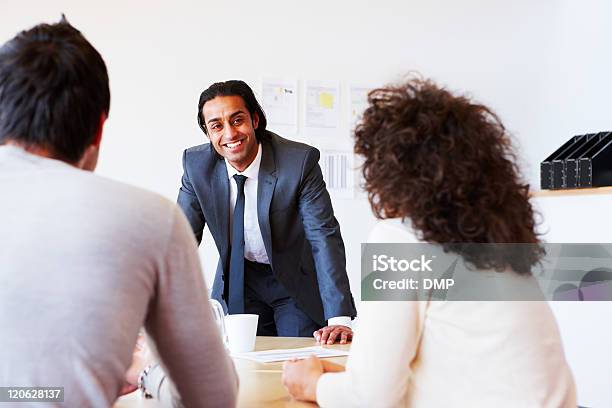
393 230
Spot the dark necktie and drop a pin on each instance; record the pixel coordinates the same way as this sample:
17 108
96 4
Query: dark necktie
236 276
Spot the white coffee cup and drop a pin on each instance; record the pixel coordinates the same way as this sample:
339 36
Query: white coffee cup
241 332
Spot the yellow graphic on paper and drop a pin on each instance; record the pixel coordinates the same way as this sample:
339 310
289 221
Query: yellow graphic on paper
326 100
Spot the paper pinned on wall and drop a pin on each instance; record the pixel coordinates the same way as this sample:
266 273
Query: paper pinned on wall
358 104
338 172
326 100
322 104
280 103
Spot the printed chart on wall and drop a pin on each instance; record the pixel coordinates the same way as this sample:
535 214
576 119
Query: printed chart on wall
338 172
358 104
280 102
322 107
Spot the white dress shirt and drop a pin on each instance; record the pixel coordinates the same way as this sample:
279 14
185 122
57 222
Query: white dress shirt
254 249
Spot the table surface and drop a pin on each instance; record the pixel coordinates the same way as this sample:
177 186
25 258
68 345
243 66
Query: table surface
260 384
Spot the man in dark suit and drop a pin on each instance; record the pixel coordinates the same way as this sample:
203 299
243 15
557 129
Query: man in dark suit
267 208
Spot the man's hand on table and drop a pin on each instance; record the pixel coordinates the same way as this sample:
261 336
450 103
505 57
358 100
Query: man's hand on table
329 334
300 377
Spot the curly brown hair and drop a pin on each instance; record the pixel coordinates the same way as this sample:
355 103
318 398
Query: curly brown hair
447 163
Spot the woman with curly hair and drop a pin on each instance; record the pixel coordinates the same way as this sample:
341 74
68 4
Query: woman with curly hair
439 168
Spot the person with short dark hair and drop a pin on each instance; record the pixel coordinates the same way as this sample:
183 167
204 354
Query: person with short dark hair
265 202
440 168
46 103
85 261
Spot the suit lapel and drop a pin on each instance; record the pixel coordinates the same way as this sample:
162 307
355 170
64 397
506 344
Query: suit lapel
265 190
222 199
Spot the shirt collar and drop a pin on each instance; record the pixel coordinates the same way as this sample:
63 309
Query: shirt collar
250 172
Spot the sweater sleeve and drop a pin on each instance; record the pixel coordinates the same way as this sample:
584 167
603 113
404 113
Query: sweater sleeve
386 342
378 368
182 327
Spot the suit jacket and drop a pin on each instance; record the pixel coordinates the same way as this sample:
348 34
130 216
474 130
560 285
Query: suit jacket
300 233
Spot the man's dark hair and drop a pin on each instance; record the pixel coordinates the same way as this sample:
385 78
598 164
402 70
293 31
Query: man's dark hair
233 88
53 90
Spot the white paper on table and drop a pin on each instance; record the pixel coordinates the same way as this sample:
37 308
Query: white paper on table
338 171
269 356
322 104
280 102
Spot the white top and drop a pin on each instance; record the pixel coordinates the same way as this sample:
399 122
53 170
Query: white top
254 249
85 262
460 354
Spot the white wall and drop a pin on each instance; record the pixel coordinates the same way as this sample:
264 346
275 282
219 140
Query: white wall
541 65
583 106
161 55
585 326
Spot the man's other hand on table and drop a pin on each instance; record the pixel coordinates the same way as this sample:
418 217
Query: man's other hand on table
333 333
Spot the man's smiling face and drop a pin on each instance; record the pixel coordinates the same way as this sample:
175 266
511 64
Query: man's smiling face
231 130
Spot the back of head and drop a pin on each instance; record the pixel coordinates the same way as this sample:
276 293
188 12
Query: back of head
53 90
233 88
447 163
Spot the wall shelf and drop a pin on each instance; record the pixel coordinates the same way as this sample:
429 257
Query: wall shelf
572 192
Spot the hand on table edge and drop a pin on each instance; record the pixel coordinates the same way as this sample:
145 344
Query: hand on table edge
329 334
300 377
